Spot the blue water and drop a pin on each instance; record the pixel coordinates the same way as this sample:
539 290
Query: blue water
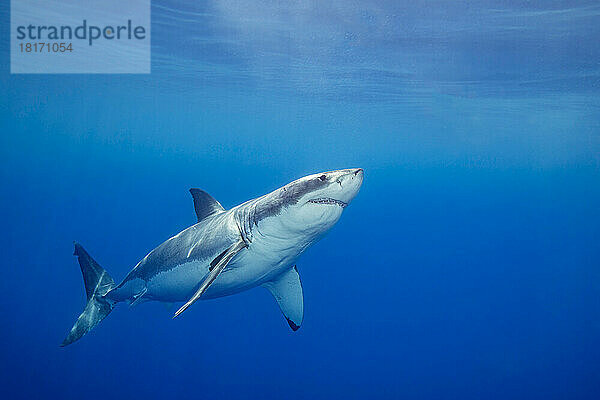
467 267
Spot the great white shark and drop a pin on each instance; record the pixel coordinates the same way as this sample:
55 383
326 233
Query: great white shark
226 252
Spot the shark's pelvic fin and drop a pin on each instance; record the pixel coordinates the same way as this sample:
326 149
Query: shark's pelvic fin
138 298
205 204
214 273
287 291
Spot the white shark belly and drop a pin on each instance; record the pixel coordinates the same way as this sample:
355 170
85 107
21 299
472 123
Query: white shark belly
251 268
178 283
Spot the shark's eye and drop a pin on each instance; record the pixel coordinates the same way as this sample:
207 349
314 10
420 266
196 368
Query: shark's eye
323 178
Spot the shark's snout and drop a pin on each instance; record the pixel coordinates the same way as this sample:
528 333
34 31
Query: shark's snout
358 173
354 176
353 181
349 183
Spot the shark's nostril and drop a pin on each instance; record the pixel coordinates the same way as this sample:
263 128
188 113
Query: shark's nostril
357 171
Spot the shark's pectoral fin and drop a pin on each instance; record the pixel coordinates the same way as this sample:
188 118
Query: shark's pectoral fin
214 273
287 291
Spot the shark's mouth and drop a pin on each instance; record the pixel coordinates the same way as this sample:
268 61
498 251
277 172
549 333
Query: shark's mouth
328 200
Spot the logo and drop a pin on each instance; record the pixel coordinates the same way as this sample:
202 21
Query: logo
80 36
82 32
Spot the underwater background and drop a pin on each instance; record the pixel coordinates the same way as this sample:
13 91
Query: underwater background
467 267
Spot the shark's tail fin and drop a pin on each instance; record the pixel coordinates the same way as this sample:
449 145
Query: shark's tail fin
97 283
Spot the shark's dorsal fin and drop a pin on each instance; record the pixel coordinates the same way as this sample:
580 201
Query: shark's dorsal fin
287 291
205 204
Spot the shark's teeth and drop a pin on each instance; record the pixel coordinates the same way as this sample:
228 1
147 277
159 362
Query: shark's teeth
328 200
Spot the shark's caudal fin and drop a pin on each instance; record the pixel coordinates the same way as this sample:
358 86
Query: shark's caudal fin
97 283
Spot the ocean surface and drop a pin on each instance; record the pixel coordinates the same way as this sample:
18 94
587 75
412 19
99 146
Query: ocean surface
468 267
